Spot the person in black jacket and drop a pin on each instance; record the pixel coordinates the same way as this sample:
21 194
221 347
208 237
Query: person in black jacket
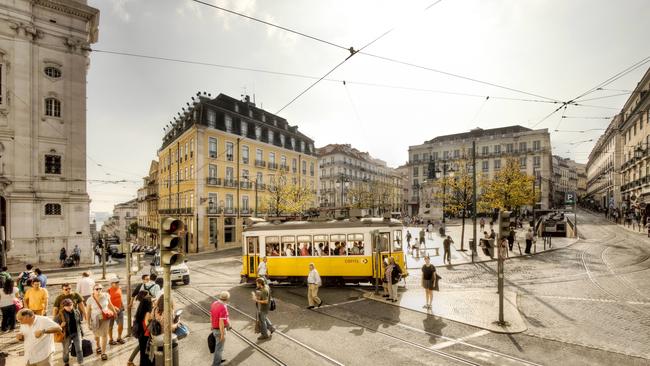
393 275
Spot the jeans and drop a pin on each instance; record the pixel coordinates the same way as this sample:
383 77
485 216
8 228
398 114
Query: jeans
218 349
8 317
265 323
144 357
75 339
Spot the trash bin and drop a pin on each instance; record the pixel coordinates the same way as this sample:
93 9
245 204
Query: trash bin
158 342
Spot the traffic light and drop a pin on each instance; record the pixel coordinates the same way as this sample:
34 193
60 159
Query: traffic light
504 224
172 240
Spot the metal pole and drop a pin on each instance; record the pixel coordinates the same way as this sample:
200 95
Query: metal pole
500 272
128 286
167 314
104 258
474 196
444 191
575 219
534 203
255 199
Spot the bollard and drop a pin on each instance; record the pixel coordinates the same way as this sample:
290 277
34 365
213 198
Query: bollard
159 358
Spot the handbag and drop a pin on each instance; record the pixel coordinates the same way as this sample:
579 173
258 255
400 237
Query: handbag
18 304
58 337
181 331
272 304
212 342
106 314
86 348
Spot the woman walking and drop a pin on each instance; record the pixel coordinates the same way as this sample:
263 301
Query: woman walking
428 280
393 275
100 311
7 297
69 319
140 328
62 256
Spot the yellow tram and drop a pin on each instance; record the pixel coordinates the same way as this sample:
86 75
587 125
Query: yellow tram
349 250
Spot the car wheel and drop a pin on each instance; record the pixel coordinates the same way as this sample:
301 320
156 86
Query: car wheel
186 280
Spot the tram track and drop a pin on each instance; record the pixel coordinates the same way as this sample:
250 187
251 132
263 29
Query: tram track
266 353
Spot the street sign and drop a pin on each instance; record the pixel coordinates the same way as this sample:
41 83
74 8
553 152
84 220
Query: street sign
570 198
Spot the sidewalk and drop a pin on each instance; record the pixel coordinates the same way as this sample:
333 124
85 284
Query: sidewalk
478 308
433 245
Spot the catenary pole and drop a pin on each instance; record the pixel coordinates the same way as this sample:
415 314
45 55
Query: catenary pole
474 206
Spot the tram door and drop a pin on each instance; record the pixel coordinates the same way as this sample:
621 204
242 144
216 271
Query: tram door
253 255
381 251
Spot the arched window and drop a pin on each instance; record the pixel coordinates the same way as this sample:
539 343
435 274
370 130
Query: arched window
52 107
53 72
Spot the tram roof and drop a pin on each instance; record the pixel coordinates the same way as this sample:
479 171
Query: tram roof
330 224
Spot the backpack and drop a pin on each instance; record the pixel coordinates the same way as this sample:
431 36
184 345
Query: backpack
24 276
272 304
148 289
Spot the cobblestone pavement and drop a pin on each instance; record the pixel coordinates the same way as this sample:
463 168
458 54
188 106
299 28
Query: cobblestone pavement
595 293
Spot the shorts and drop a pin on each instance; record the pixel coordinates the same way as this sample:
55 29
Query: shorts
119 318
427 284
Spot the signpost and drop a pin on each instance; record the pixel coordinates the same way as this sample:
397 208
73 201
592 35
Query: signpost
570 200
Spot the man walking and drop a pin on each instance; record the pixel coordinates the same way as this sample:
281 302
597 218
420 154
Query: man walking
115 295
220 323
36 298
262 270
23 277
482 223
41 277
262 298
36 332
446 247
421 238
511 238
313 283
76 255
85 286
430 230
67 293
529 240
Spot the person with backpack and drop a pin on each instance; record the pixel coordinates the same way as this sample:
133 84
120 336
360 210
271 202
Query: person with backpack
63 254
262 299
393 276
76 255
4 275
23 277
69 319
147 285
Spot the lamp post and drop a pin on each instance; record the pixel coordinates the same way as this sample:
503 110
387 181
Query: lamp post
343 179
445 168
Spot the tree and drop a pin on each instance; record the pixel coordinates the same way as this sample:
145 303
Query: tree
132 229
509 189
458 192
287 198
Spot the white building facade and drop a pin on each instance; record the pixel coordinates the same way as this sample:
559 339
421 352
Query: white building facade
43 65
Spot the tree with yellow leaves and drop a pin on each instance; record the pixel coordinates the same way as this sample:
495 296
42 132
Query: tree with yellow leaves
457 193
509 189
287 197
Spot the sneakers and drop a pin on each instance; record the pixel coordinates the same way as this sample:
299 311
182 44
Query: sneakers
310 307
320 303
261 338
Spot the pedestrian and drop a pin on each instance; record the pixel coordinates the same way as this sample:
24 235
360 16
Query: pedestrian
76 255
62 256
393 276
4 275
7 305
36 333
430 230
262 270
115 295
100 311
421 237
36 298
141 329
482 223
41 277
220 323
69 319
158 313
428 280
446 250
85 286
313 283
529 240
25 275
493 235
67 293
262 299
511 238
146 285
408 240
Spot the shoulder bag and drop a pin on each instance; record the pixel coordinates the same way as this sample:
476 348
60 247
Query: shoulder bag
106 314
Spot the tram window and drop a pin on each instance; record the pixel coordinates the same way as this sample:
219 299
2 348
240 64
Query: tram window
397 240
272 246
252 243
289 246
321 245
338 244
384 242
304 245
355 244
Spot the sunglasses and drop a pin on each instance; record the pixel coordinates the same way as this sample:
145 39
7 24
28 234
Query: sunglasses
98 289
66 289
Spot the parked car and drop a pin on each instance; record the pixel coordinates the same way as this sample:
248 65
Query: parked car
179 272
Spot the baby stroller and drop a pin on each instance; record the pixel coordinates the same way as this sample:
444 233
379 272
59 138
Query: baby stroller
68 262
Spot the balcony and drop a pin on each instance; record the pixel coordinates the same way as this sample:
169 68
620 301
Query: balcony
244 160
229 211
177 211
273 166
246 185
213 210
213 181
260 163
229 183
245 211
284 167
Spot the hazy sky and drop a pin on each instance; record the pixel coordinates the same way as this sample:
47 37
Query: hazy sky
556 49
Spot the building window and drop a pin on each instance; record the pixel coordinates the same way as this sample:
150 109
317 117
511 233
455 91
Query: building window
435 155
2 80
52 107
270 136
244 203
294 165
304 167
244 128
258 133
229 175
259 155
271 158
212 171
244 154
228 123
283 161
212 118
229 201
415 171
191 171
456 154
229 151
537 145
497 149
302 146
486 166
212 147
522 162
282 139
522 146
52 164
537 161
191 148
311 169
244 174
293 143
445 155
509 148
260 178
416 157
53 209
497 164
53 72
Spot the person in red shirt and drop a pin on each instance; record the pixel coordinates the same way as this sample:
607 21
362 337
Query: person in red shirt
115 293
220 323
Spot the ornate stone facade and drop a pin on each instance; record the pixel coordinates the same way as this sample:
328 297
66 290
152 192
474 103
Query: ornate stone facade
43 61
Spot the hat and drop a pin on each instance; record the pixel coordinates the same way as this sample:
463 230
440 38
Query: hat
224 295
66 302
114 280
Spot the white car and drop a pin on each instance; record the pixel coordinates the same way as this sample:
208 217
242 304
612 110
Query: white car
179 272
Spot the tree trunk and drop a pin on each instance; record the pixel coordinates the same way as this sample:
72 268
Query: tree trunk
462 233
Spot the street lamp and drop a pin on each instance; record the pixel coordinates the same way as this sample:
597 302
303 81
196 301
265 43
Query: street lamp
342 181
445 169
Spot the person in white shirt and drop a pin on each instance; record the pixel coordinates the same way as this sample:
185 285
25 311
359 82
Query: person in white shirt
85 286
36 332
288 251
313 283
262 270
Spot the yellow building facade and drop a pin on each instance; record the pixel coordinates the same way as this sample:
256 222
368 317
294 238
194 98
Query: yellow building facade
217 161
